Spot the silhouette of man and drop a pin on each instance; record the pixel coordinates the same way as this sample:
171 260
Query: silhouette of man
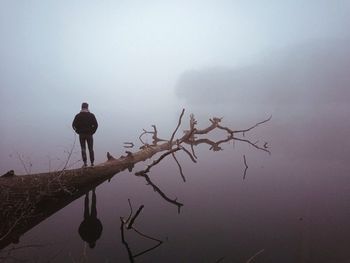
90 229
85 124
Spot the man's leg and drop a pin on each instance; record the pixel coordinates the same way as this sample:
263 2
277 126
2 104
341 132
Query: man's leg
90 142
82 139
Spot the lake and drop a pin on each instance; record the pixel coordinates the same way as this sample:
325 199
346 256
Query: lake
292 205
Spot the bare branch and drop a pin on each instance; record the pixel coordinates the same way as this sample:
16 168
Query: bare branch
70 152
254 126
177 127
110 157
128 145
157 161
154 136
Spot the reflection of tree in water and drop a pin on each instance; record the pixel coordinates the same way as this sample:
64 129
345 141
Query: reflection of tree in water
192 140
90 229
26 201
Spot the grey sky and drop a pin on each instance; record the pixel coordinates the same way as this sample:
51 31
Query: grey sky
125 57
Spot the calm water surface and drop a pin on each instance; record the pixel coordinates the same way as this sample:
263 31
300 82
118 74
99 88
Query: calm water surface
292 206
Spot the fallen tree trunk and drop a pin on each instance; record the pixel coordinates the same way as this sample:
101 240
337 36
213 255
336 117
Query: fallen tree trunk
27 200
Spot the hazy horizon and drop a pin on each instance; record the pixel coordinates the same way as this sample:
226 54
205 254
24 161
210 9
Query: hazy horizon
129 58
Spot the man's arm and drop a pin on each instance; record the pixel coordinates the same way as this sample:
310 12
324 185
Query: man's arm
94 123
74 123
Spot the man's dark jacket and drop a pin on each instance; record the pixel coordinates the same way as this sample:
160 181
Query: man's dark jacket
85 123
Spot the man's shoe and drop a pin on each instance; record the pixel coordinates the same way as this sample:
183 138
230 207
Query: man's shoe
92 164
84 165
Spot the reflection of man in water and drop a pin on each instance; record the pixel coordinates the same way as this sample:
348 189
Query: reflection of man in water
91 228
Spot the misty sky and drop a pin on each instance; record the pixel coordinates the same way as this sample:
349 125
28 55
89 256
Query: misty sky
128 60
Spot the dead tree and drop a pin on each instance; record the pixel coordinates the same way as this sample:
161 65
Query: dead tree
27 200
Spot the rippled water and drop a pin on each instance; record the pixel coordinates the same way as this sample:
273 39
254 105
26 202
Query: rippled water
291 206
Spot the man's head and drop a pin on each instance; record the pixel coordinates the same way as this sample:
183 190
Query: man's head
84 105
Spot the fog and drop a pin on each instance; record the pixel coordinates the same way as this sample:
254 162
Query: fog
304 87
140 62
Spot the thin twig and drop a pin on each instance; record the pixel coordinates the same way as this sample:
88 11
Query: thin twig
255 125
252 144
70 153
177 127
128 145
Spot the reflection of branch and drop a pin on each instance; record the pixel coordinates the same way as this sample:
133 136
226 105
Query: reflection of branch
189 138
128 224
253 144
215 146
160 192
180 168
147 250
246 167
132 220
254 256
130 206
254 126
123 240
193 152
189 154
